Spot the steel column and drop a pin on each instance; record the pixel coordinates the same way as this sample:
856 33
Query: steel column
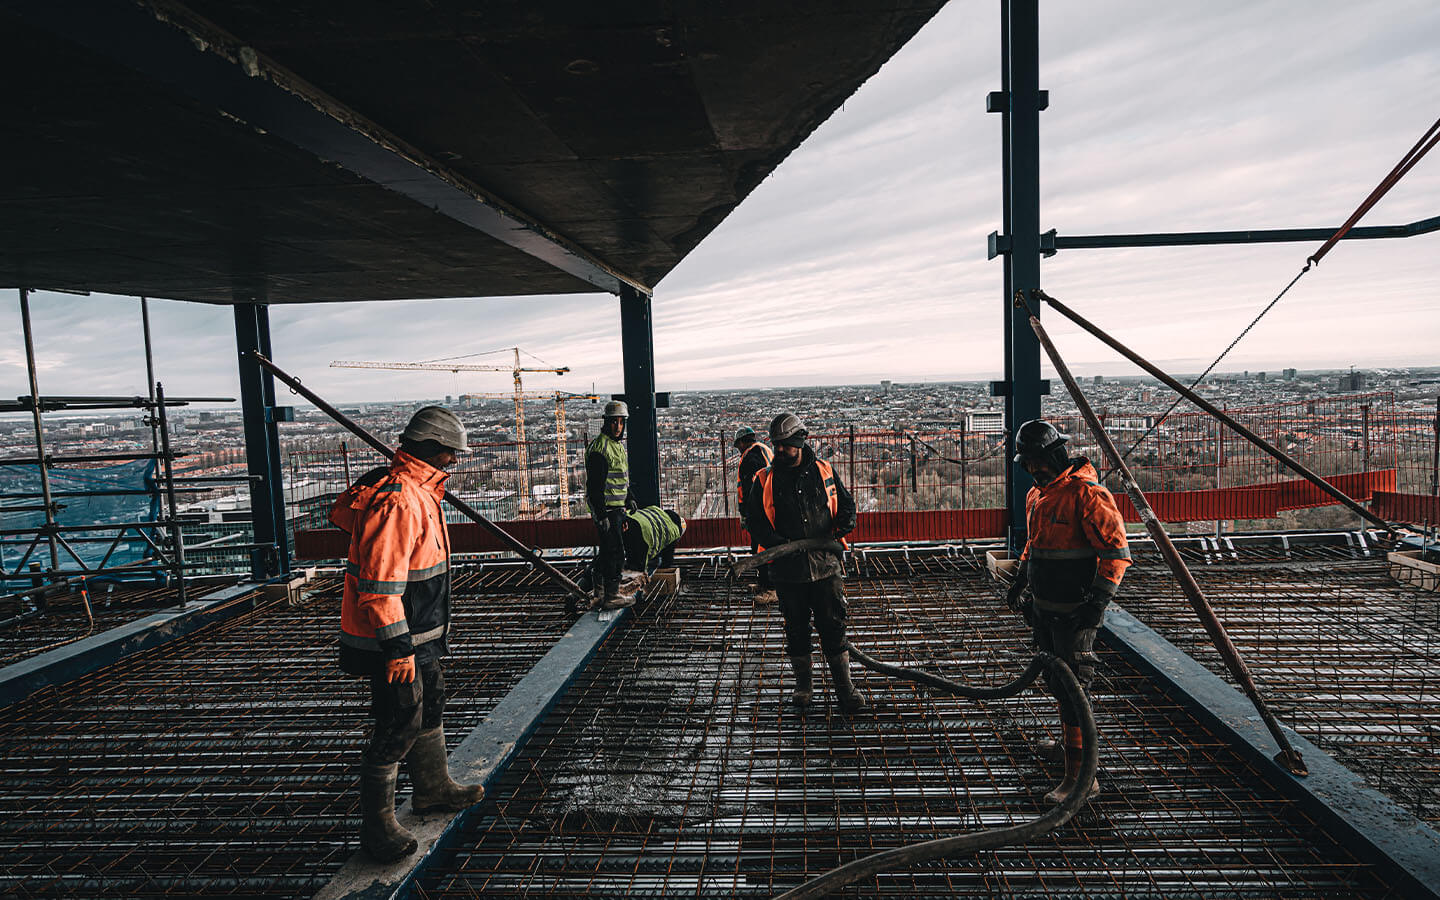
39 427
1021 102
257 392
637 341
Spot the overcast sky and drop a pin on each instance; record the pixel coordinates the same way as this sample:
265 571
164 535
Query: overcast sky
863 256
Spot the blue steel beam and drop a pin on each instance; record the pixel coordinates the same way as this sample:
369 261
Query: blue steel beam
91 654
1269 236
481 757
637 340
262 451
194 59
1019 103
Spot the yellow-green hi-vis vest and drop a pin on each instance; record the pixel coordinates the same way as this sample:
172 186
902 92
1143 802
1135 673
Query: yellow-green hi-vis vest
617 475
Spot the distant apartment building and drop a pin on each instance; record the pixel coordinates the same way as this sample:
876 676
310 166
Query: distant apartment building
1352 381
985 421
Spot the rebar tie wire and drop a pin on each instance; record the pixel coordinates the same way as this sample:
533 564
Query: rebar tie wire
969 842
1427 141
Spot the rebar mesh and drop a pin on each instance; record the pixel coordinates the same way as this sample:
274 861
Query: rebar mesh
223 764
676 767
1345 655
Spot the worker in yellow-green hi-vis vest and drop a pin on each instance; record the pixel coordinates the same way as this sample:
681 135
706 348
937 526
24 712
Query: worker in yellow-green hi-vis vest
607 493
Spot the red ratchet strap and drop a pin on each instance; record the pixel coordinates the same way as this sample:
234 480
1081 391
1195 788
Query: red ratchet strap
1407 162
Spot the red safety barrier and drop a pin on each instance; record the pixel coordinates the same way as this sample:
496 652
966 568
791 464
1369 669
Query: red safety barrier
549 534
1201 506
1416 509
1261 501
1298 493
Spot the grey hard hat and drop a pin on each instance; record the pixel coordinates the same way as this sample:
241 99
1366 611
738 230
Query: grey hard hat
1037 439
743 432
786 427
438 424
617 408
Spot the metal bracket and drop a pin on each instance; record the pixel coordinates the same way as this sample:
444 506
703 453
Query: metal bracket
275 414
1002 388
999 101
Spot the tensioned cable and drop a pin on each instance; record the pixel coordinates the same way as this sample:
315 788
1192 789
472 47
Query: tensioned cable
1427 141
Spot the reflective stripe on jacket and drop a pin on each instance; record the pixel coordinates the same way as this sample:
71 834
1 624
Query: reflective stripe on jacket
617 471
1074 518
657 529
397 578
766 457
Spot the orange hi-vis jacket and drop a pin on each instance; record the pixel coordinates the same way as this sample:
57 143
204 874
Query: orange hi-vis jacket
766 479
397 577
1072 523
765 454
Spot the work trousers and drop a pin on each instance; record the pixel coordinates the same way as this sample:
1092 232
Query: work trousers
825 601
610 549
400 711
1055 634
762 573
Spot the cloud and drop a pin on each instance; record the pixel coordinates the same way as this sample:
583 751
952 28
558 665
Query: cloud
863 256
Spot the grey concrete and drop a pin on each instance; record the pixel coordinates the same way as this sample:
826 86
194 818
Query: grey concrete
82 657
480 758
1369 823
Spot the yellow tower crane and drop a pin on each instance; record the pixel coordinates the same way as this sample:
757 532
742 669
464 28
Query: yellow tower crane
450 365
561 460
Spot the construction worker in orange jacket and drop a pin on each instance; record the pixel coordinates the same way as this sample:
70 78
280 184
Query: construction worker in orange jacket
1075 555
394 625
754 456
801 496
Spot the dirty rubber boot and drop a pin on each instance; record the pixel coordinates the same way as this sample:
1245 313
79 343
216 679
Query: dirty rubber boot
1074 753
613 597
380 835
804 682
851 700
435 790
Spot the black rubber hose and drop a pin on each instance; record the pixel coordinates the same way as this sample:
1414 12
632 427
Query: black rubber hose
774 553
975 841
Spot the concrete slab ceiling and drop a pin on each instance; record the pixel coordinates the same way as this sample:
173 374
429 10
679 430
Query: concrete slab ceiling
365 151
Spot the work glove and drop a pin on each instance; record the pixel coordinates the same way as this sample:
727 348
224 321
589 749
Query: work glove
1092 612
400 671
631 505
1082 650
1017 588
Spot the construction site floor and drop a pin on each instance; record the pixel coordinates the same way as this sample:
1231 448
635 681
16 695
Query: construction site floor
223 764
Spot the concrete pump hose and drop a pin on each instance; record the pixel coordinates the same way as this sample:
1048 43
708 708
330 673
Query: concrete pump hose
774 553
975 841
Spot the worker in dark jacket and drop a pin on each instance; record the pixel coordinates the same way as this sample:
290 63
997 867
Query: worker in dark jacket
754 456
801 496
395 620
650 536
607 493
1075 555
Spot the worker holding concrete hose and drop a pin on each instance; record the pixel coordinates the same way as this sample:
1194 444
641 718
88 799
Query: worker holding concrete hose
754 456
800 496
1075 555
394 626
607 493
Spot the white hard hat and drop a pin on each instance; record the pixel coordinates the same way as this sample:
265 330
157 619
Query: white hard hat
438 424
617 408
